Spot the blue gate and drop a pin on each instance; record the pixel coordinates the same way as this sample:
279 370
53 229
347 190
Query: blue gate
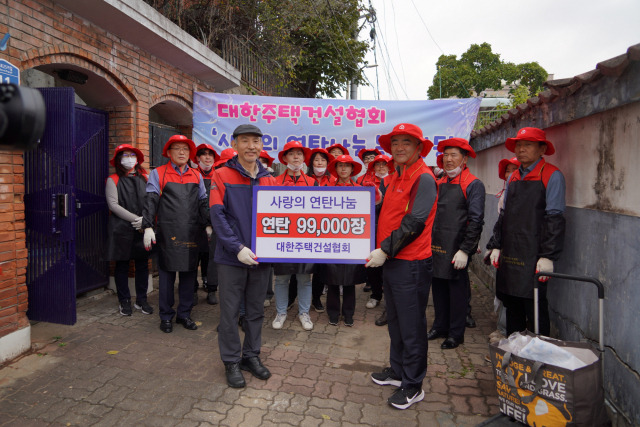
65 208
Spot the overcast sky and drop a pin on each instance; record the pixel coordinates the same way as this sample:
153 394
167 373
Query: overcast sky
566 37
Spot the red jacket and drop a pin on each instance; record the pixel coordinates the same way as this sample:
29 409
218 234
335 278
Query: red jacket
303 180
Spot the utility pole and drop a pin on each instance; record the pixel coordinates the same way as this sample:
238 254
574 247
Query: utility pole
370 16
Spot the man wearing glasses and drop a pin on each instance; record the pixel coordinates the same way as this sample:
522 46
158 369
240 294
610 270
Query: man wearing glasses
176 204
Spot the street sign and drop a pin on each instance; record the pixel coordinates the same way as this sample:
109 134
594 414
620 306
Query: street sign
9 73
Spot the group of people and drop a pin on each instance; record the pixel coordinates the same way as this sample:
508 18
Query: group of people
428 228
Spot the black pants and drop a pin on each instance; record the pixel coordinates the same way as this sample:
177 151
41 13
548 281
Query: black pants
318 281
520 315
348 302
406 289
212 267
238 284
374 279
166 299
450 301
203 260
121 277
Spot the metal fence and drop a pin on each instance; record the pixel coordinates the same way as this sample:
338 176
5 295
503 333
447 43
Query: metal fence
487 116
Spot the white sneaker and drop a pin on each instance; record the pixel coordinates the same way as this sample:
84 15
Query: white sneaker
305 321
372 303
278 322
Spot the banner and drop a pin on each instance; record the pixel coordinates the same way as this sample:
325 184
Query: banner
318 123
313 224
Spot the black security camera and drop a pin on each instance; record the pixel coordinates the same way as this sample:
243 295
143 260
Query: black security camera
22 117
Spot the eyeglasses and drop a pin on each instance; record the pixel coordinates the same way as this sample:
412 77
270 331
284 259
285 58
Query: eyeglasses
369 158
181 149
132 155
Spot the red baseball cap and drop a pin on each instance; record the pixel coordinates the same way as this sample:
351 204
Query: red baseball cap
406 129
364 151
530 134
461 143
379 158
180 138
127 147
226 155
502 166
345 158
319 150
290 146
344 150
216 156
266 156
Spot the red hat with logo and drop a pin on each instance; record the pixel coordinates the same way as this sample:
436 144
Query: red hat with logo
127 147
344 150
267 157
216 156
179 138
345 158
460 143
290 146
321 151
379 158
502 166
226 155
364 151
406 129
530 134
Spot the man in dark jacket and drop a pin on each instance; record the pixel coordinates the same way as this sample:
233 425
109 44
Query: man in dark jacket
529 234
231 207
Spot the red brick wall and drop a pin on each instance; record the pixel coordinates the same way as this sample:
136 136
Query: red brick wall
44 33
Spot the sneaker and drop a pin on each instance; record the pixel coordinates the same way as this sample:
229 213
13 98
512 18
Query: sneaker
125 308
366 288
324 290
402 398
278 322
333 322
372 303
305 321
144 307
348 320
317 305
386 377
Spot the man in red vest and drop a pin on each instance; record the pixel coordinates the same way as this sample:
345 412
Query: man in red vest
529 234
404 248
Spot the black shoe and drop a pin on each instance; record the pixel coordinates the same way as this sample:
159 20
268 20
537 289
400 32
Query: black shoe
125 307
450 343
195 299
386 377
402 398
204 283
348 320
241 320
366 288
333 320
144 307
255 366
317 305
212 298
382 320
433 334
187 323
235 378
166 326
469 322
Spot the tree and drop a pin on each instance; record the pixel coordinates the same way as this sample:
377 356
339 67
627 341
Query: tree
478 69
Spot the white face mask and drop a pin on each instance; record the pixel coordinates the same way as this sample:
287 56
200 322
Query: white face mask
454 172
381 176
128 162
294 168
204 167
319 171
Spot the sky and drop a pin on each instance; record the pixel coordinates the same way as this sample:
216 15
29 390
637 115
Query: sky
566 37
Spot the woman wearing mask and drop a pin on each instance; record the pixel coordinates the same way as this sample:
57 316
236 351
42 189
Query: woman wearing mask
125 193
505 168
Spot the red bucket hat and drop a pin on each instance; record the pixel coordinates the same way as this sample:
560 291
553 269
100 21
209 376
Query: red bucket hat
439 160
502 167
406 129
216 156
345 158
530 134
319 150
379 158
267 157
364 151
461 143
127 147
344 150
180 138
290 146
226 155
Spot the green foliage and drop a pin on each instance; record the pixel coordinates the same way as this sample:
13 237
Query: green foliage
478 69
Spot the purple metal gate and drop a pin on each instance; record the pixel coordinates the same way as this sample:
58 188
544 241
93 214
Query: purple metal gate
65 236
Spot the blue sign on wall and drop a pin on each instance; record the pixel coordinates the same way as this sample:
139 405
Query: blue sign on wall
9 73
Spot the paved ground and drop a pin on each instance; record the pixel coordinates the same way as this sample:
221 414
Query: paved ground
111 370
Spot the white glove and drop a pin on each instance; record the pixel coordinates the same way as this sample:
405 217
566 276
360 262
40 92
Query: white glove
460 260
376 258
209 231
246 256
149 237
137 223
495 258
544 264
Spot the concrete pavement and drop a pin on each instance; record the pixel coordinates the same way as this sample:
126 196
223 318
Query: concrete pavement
110 370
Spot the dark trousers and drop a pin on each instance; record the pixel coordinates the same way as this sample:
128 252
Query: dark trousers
121 277
250 285
166 299
374 279
406 289
317 281
348 302
450 301
270 285
203 260
212 267
520 314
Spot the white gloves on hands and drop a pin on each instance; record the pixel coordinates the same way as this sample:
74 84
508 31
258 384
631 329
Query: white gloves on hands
495 258
544 264
460 260
209 231
376 258
137 223
149 237
246 256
